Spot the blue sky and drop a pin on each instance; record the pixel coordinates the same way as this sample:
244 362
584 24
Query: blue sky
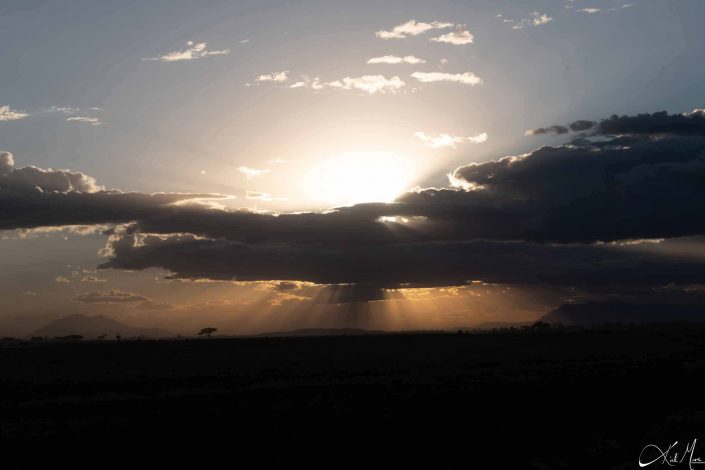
165 122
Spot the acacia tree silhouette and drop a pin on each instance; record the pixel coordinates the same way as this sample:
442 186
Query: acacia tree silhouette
207 331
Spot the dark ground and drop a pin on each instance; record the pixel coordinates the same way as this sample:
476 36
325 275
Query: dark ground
583 399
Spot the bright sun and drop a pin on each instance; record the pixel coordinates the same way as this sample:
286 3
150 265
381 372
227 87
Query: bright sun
354 177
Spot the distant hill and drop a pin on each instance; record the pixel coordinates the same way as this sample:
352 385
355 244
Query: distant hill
92 326
600 313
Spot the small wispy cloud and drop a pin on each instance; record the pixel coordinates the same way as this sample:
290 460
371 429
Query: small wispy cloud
467 78
370 84
589 10
447 140
459 38
264 197
63 110
412 28
273 77
535 19
539 18
276 161
9 114
394 59
93 121
256 195
251 172
245 41
193 51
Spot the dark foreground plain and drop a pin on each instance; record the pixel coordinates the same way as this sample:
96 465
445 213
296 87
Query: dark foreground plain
531 399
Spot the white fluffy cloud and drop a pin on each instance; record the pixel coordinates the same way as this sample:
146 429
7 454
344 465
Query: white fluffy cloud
38 179
193 51
93 121
274 77
368 83
447 140
251 172
394 59
467 78
412 28
8 114
459 38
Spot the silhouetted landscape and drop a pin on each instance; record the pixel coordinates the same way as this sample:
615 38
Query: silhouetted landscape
598 396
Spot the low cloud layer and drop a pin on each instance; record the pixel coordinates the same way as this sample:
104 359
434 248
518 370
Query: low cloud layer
563 215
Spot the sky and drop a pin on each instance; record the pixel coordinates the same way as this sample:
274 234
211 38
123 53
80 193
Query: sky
274 165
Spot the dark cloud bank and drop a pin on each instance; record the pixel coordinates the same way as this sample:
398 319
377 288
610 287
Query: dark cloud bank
558 216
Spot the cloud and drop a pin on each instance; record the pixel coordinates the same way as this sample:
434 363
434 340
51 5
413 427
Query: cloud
589 10
535 19
193 51
692 123
371 84
659 123
568 215
458 38
63 110
36 179
32 197
422 264
447 140
467 78
540 18
245 41
8 114
62 280
259 196
581 125
93 121
109 297
252 172
393 59
412 28
273 77
558 130
276 161
92 278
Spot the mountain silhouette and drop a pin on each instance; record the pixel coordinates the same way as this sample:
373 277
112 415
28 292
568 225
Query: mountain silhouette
600 313
93 326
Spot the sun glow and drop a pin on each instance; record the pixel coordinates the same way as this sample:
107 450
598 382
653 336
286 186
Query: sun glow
355 177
